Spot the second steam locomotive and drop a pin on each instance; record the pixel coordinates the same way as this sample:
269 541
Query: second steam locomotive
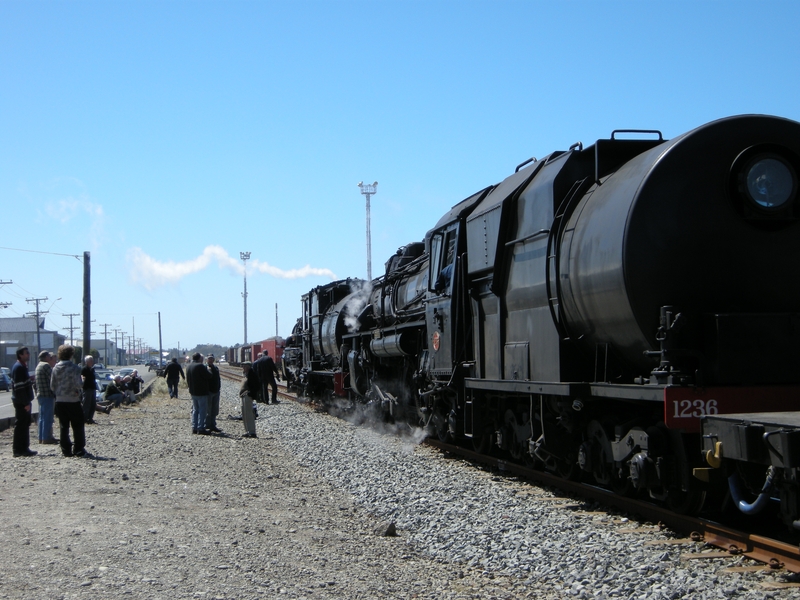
597 313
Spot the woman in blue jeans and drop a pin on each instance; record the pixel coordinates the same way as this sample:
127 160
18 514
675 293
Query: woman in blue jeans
45 396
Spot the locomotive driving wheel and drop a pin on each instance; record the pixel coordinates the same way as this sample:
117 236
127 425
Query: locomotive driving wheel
687 502
514 445
482 442
609 473
567 468
442 428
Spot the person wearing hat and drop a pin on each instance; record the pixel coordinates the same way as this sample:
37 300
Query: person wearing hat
249 392
197 380
214 386
45 396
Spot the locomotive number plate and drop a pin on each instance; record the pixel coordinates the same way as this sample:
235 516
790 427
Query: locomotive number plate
685 406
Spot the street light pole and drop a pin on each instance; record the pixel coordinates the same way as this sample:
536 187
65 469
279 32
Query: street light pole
245 256
368 190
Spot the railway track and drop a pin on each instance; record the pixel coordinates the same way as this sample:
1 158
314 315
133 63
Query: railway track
772 553
235 375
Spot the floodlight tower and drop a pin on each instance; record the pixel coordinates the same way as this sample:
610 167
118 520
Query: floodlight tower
245 256
368 190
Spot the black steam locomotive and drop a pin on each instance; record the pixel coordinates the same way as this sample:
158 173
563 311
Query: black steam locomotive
602 313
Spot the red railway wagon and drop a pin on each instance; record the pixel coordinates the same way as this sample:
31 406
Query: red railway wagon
275 346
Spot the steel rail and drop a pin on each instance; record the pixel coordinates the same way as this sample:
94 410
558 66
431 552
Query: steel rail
774 553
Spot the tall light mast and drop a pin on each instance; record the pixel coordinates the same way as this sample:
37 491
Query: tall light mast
368 190
245 256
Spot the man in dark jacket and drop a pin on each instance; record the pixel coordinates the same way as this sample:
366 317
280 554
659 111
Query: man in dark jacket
266 370
214 386
173 373
198 379
22 399
249 392
89 390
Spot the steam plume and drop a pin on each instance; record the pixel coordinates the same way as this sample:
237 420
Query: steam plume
151 273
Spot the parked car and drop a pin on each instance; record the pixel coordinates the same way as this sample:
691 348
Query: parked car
104 377
125 372
5 382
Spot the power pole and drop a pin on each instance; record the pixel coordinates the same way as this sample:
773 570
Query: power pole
133 335
116 345
5 304
71 328
122 339
87 303
160 349
38 328
105 337
276 319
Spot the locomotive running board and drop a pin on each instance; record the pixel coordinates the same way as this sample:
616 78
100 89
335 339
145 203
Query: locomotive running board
527 387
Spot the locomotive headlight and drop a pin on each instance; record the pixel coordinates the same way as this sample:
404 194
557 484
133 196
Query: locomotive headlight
764 185
770 181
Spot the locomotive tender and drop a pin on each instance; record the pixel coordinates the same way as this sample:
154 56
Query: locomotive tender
597 313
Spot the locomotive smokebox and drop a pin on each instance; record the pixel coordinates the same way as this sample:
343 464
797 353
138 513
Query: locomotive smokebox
707 223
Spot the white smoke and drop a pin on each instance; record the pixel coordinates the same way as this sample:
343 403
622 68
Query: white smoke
307 271
152 273
361 291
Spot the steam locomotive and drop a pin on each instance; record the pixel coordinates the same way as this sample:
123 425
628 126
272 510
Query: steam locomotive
605 312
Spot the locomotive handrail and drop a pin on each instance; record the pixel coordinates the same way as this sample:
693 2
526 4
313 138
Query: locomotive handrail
553 239
527 237
578 145
656 131
522 164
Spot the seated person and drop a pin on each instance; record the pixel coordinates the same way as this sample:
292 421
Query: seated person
117 393
127 388
136 382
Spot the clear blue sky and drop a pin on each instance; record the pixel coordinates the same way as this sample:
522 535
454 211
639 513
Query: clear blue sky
166 137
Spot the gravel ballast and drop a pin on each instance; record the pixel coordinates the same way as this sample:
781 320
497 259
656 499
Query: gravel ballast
300 512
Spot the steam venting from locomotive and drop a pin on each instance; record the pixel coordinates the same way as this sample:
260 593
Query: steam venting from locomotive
361 291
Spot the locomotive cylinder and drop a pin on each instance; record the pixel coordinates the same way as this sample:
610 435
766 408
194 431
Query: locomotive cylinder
392 346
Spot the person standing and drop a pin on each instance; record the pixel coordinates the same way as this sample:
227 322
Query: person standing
249 392
89 390
266 370
214 386
22 399
173 373
198 379
66 384
45 396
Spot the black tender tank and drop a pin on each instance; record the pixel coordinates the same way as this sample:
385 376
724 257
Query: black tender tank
682 225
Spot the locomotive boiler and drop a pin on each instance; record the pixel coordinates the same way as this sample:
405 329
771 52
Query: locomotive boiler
588 312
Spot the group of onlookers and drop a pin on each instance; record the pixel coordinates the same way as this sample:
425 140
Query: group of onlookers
64 390
69 392
203 381
259 377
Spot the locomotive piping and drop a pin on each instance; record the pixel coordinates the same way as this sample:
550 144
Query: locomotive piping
735 486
